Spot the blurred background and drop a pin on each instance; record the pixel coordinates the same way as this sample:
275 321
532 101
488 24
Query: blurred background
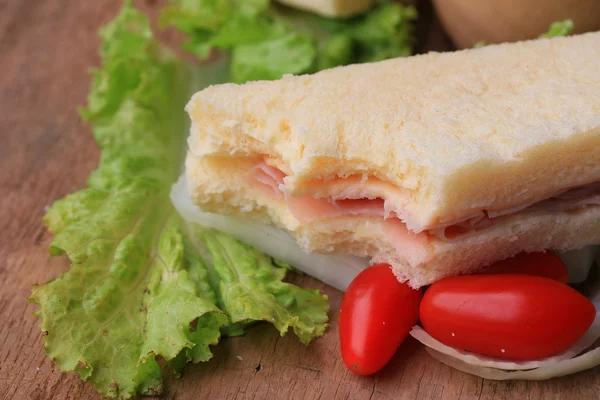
266 39
495 21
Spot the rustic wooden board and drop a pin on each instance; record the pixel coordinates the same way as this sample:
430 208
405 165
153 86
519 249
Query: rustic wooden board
46 151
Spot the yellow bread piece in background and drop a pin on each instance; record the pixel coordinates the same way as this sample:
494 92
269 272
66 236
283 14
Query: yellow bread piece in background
331 8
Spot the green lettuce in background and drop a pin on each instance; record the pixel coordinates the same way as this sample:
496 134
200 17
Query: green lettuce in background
559 28
142 282
267 40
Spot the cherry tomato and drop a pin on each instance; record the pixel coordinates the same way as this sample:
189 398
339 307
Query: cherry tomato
376 315
546 264
512 316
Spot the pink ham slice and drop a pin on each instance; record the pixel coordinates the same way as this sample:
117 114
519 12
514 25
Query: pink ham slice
369 193
351 196
309 209
568 200
268 178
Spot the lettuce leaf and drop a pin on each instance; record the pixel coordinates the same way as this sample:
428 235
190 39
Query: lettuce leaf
137 288
271 59
268 40
251 289
559 28
386 32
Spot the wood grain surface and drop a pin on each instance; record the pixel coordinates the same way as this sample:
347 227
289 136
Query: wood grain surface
46 152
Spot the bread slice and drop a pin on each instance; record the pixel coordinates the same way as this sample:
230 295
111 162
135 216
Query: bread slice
457 132
456 135
219 185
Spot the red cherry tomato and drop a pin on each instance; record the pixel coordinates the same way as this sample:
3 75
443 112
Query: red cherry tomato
376 315
546 264
512 316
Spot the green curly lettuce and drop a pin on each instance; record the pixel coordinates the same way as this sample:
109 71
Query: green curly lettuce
267 40
251 288
142 282
558 28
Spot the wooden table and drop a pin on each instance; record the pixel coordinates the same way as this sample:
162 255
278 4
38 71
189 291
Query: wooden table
46 152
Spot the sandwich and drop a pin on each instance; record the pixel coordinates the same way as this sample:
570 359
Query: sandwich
438 164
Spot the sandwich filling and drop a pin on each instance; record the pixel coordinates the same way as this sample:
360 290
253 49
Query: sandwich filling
357 196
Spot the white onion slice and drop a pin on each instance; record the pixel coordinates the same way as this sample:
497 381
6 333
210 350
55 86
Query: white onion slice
579 262
570 361
335 270
566 367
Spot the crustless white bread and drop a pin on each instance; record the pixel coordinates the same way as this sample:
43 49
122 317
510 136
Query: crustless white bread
457 135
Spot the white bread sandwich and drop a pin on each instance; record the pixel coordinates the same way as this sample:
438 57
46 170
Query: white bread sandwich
438 164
